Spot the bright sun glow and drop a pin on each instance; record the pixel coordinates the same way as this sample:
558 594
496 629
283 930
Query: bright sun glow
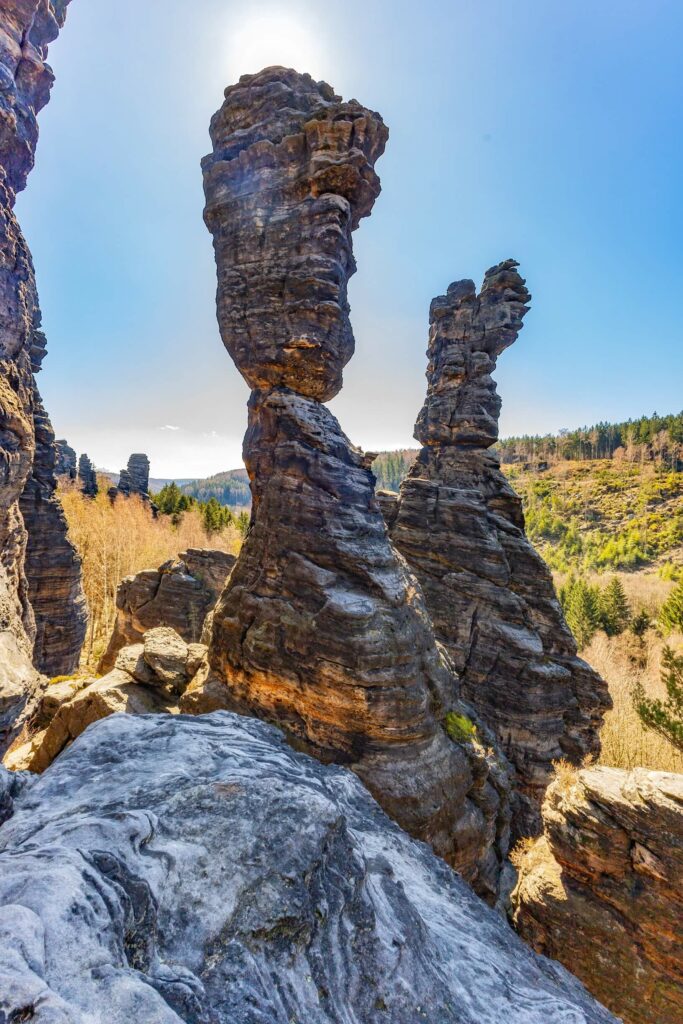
275 38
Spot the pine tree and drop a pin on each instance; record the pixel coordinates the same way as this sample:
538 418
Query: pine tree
664 716
581 607
671 615
615 613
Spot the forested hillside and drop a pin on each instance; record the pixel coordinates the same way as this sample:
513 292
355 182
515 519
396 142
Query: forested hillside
649 438
229 488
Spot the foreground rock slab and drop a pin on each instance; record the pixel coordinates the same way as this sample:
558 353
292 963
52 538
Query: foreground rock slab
602 890
171 870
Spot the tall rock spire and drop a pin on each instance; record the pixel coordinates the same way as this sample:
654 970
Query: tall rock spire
321 628
460 526
26 467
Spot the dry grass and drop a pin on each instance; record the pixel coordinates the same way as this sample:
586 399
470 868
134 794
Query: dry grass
119 539
622 661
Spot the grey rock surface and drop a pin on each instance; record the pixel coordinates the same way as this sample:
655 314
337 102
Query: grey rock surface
169 869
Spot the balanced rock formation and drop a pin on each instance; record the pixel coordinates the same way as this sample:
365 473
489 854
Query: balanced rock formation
65 460
321 628
460 527
87 476
52 565
174 869
602 890
179 594
26 28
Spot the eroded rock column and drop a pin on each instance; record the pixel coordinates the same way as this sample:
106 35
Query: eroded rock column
321 628
26 28
461 528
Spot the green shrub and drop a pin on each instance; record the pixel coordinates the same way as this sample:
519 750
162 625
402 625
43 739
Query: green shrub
460 728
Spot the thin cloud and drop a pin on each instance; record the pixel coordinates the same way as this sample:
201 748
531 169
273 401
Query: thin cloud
170 427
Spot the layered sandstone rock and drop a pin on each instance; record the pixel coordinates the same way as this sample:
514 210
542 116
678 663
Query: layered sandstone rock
174 869
460 526
26 27
321 627
602 890
53 567
66 464
87 476
179 594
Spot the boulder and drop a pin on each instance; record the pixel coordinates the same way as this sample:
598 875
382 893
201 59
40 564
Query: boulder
175 869
602 889
460 527
147 677
179 594
321 627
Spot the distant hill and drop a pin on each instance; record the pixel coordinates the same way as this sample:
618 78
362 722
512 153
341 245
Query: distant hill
229 488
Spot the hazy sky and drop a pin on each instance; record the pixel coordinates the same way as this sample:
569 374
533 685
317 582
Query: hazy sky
549 132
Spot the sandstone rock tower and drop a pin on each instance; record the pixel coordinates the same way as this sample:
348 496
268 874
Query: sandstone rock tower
321 627
460 526
53 567
27 28
135 478
65 460
87 476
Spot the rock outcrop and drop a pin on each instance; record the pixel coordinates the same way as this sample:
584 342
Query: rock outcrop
221 876
460 526
66 464
26 28
52 565
179 594
87 476
147 677
321 628
602 890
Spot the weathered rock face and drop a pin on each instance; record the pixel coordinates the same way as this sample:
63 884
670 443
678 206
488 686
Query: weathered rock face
25 79
221 876
65 460
601 891
87 476
321 628
178 594
460 526
52 566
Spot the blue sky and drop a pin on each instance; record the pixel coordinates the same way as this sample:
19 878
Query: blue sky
548 132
